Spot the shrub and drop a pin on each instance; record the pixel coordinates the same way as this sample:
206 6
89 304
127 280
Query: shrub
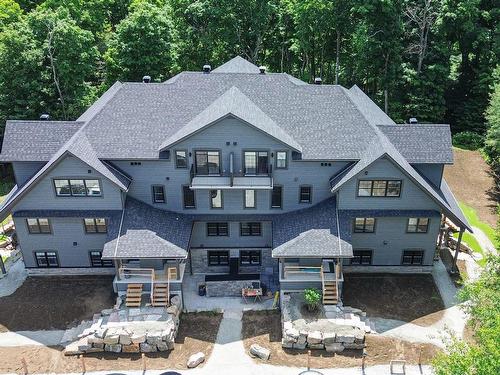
312 297
468 140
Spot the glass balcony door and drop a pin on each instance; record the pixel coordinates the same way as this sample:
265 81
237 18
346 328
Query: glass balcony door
207 162
256 162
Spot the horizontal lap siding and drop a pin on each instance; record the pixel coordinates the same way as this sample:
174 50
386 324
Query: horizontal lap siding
65 231
163 172
433 172
43 196
24 170
412 196
393 231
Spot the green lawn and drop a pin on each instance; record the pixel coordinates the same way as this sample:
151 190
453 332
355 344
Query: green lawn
5 188
469 238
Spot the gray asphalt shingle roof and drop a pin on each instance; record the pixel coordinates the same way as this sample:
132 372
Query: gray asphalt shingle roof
237 65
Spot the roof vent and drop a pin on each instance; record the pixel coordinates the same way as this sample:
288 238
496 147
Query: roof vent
45 117
146 79
262 69
317 81
206 69
413 120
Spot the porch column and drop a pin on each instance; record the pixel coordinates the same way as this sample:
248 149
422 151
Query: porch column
459 242
441 232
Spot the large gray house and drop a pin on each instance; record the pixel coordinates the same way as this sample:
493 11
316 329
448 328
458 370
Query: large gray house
235 173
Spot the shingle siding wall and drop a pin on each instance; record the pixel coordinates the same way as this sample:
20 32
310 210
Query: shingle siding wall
215 137
23 171
65 231
42 195
412 196
199 262
392 230
433 172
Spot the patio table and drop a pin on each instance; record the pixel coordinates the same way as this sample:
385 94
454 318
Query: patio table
251 292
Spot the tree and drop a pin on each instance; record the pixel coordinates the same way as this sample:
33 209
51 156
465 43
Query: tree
10 12
144 44
483 305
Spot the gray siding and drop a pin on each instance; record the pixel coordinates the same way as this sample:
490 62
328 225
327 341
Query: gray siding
433 172
24 170
65 231
199 261
42 195
215 137
199 237
392 231
412 196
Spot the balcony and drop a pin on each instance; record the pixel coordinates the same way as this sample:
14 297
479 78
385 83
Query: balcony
231 180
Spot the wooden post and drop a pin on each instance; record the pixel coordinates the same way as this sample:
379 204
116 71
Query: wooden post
24 365
441 232
2 267
143 356
308 360
82 360
457 249
420 356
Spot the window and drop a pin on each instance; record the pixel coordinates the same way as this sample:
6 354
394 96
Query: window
364 225
158 193
379 188
215 198
250 257
77 188
97 261
207 162
46 259
412 257
362 257
256 162
181 159
276 197
188 197
417 225
95 225
218 258
281 160
249 199
305 194
250 229
217 229
38 225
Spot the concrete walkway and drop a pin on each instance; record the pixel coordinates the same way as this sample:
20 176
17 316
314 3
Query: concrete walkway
25 338
484 241
15 277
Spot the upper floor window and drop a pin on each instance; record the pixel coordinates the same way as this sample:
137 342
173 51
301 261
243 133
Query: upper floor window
158 192
417 225
276 197
412 257
250 229
46 259
250 257
97 261
95 225
362 257
77 188
256 162
305 194
364 225
281 159
249 199
188 197
207 162
217 229
379 188
181 159
38 225
216 198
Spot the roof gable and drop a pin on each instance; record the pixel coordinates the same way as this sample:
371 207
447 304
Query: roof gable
232 103
237 65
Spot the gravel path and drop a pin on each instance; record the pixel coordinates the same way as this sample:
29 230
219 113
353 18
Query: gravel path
484 241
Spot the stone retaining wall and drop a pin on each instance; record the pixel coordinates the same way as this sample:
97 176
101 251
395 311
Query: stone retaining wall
230 288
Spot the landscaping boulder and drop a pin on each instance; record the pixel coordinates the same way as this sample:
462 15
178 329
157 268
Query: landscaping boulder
287 344
162 347
153 338
83 344
131 348
259 351
315 337
124 337
292 333
316 346
334 348
94 350
299 345
176 300
354 346
112 337
116 348
93 339
138 337
72 349
174 310
347 338
328 338
148 348
195 359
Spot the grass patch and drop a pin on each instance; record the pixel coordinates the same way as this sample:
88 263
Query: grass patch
5 188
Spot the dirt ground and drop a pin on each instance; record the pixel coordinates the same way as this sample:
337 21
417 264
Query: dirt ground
471 183
55 302
264 328
410 298
197 333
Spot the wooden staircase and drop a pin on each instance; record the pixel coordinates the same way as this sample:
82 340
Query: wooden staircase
134 295
160 295
330 295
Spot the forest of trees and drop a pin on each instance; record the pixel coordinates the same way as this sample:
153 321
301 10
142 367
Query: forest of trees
430 59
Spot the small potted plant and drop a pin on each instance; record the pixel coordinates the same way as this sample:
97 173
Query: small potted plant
312 297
